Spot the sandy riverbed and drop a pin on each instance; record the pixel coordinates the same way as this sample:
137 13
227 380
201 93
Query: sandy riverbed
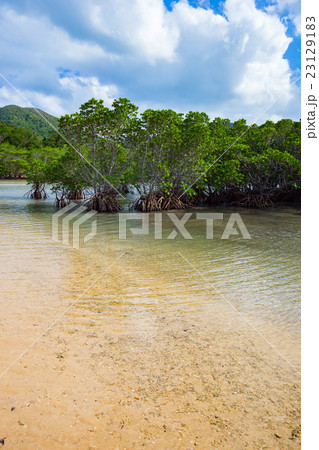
174 378
149 355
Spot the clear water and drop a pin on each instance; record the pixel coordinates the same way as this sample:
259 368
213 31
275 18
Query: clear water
253 284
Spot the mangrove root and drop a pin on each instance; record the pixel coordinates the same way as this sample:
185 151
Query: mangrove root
103 202
252 199
77 194
160 201
37 192
63 197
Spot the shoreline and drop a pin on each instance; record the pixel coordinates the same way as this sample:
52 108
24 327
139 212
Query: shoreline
128 197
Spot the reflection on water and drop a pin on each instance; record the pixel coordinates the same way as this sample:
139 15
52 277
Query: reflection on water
260 276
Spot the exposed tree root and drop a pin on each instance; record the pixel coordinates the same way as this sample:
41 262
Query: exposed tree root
215 198
253 199
63 197
124 189
287 195
78 194
218 197
199 198
104 202
37 192
245 199
159 201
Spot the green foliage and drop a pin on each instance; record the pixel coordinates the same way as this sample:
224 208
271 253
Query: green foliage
18 137
256 158
38 165
100 137
36 121
157 147
160 153
270 169
171 152
16 145
13 161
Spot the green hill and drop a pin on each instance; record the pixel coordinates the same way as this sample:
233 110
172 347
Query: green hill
29 119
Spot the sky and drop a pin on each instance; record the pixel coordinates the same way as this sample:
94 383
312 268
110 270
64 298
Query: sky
231 59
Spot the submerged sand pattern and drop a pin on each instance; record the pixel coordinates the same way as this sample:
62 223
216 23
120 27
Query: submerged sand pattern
150 356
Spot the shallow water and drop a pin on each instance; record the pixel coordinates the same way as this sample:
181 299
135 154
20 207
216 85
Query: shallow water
132 286
260 276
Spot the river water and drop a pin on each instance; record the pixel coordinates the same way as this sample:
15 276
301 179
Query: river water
239 297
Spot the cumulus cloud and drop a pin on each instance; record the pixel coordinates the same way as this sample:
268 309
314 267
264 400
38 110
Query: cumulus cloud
145 26
264 75
77 90
34 51
10 97
291 8
230 65
83 88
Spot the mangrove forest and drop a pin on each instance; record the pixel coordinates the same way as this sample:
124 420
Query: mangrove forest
170 160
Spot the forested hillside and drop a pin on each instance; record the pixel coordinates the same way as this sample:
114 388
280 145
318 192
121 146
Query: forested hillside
29 119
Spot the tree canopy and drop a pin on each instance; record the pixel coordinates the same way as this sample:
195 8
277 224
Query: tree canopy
171 160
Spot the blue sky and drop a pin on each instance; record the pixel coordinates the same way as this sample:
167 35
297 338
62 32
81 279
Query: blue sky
232 58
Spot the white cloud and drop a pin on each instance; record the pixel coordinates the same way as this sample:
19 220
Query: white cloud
264 75
34 38
143 25
189 58
82 89
9 97
49 103
77 91
291 8
239 60
256 85
35 49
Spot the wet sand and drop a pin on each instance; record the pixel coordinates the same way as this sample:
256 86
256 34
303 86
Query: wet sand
148 356
171 379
